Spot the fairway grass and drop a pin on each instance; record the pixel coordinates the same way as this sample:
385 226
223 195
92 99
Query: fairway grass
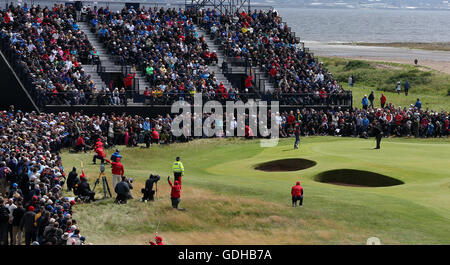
229 202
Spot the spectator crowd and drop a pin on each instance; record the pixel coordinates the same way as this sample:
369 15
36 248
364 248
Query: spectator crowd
265 41
32 208
164 45
47 48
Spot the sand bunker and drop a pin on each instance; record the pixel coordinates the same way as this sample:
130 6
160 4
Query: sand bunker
291 164
356 178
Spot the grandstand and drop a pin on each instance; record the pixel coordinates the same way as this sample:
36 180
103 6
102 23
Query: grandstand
141 57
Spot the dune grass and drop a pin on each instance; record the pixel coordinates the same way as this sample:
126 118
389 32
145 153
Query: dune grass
432 87
229 202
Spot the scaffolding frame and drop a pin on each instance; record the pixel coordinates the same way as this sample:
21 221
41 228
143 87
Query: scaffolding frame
224 7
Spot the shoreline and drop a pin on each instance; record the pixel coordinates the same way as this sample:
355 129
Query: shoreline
428 46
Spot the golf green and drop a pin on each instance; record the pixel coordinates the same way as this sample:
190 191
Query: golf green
228 201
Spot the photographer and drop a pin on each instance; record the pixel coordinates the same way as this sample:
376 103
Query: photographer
123 191
148 190
84 189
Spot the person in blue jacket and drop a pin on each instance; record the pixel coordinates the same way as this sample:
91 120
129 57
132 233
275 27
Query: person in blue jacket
365 102
418 104
116 155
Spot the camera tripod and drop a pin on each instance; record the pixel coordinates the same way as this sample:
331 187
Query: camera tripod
105 185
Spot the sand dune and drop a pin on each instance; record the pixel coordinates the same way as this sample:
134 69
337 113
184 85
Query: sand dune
437 60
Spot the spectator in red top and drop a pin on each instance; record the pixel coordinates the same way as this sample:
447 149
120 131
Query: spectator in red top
117 171
273 73
207 56
80 144
158 241
148 96
249 132
175 193
291 120
214 58
248 82
398 119
128 82
297 194
323 96
382 100
155 136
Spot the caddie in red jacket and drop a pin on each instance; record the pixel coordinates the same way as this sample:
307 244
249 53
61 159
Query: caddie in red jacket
297 194
99 154
98 144
175 193
117 171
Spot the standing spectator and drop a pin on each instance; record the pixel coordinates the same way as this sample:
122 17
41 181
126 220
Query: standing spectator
248 82
371 98
365 102
398 87
4 173
297 194
291 120
17 217
128 81
382 100
407 87
4 221
27 225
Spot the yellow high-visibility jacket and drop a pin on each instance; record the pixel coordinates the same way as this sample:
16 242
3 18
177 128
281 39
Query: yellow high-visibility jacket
178 167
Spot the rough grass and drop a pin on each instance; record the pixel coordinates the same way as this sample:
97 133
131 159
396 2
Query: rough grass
432 87
229 202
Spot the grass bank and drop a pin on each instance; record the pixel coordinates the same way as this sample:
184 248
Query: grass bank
432 87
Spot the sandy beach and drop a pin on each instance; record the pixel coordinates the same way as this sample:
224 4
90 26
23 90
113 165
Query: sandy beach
437 60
